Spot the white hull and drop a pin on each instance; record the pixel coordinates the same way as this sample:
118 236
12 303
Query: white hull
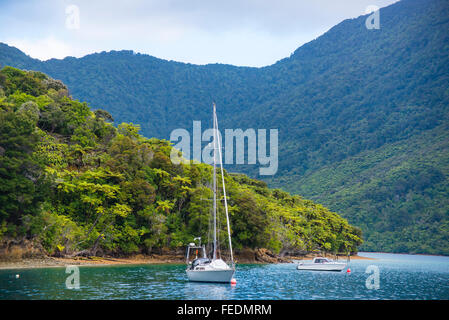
322 266
210 275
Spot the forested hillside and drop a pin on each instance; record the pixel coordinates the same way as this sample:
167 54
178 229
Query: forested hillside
348 105
75 183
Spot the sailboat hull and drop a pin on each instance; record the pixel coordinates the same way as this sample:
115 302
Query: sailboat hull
210 275
321 266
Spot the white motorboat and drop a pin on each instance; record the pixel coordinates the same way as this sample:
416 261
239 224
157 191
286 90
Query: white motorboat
212 269
322 264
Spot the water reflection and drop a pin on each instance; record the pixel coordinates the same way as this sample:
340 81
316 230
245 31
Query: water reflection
214 291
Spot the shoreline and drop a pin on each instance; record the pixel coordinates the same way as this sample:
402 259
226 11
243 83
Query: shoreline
406 254
54 262
49 262
140 259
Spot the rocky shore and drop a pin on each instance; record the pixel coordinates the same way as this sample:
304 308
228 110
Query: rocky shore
27 254
262 256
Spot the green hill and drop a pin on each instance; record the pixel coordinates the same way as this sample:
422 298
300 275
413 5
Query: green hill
405 183
339 101
76 184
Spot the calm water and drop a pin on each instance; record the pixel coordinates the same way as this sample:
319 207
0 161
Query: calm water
400 277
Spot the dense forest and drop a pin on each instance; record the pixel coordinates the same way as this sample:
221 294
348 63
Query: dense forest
362 115
77 184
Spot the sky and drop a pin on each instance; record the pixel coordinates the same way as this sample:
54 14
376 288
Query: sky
239 32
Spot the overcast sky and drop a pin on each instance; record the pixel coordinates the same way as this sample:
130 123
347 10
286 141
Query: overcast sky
238 32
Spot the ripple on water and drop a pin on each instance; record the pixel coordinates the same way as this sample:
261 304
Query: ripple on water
401 277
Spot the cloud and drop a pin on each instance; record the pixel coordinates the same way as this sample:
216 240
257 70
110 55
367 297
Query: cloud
240 32
43 49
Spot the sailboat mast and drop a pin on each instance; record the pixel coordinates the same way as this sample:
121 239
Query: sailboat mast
224 189
215 191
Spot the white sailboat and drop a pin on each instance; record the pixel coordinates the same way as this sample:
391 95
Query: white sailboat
212 269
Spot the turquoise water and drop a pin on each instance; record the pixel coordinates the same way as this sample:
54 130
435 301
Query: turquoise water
400 277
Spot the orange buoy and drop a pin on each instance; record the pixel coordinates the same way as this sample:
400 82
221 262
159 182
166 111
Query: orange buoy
233 281
348 271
